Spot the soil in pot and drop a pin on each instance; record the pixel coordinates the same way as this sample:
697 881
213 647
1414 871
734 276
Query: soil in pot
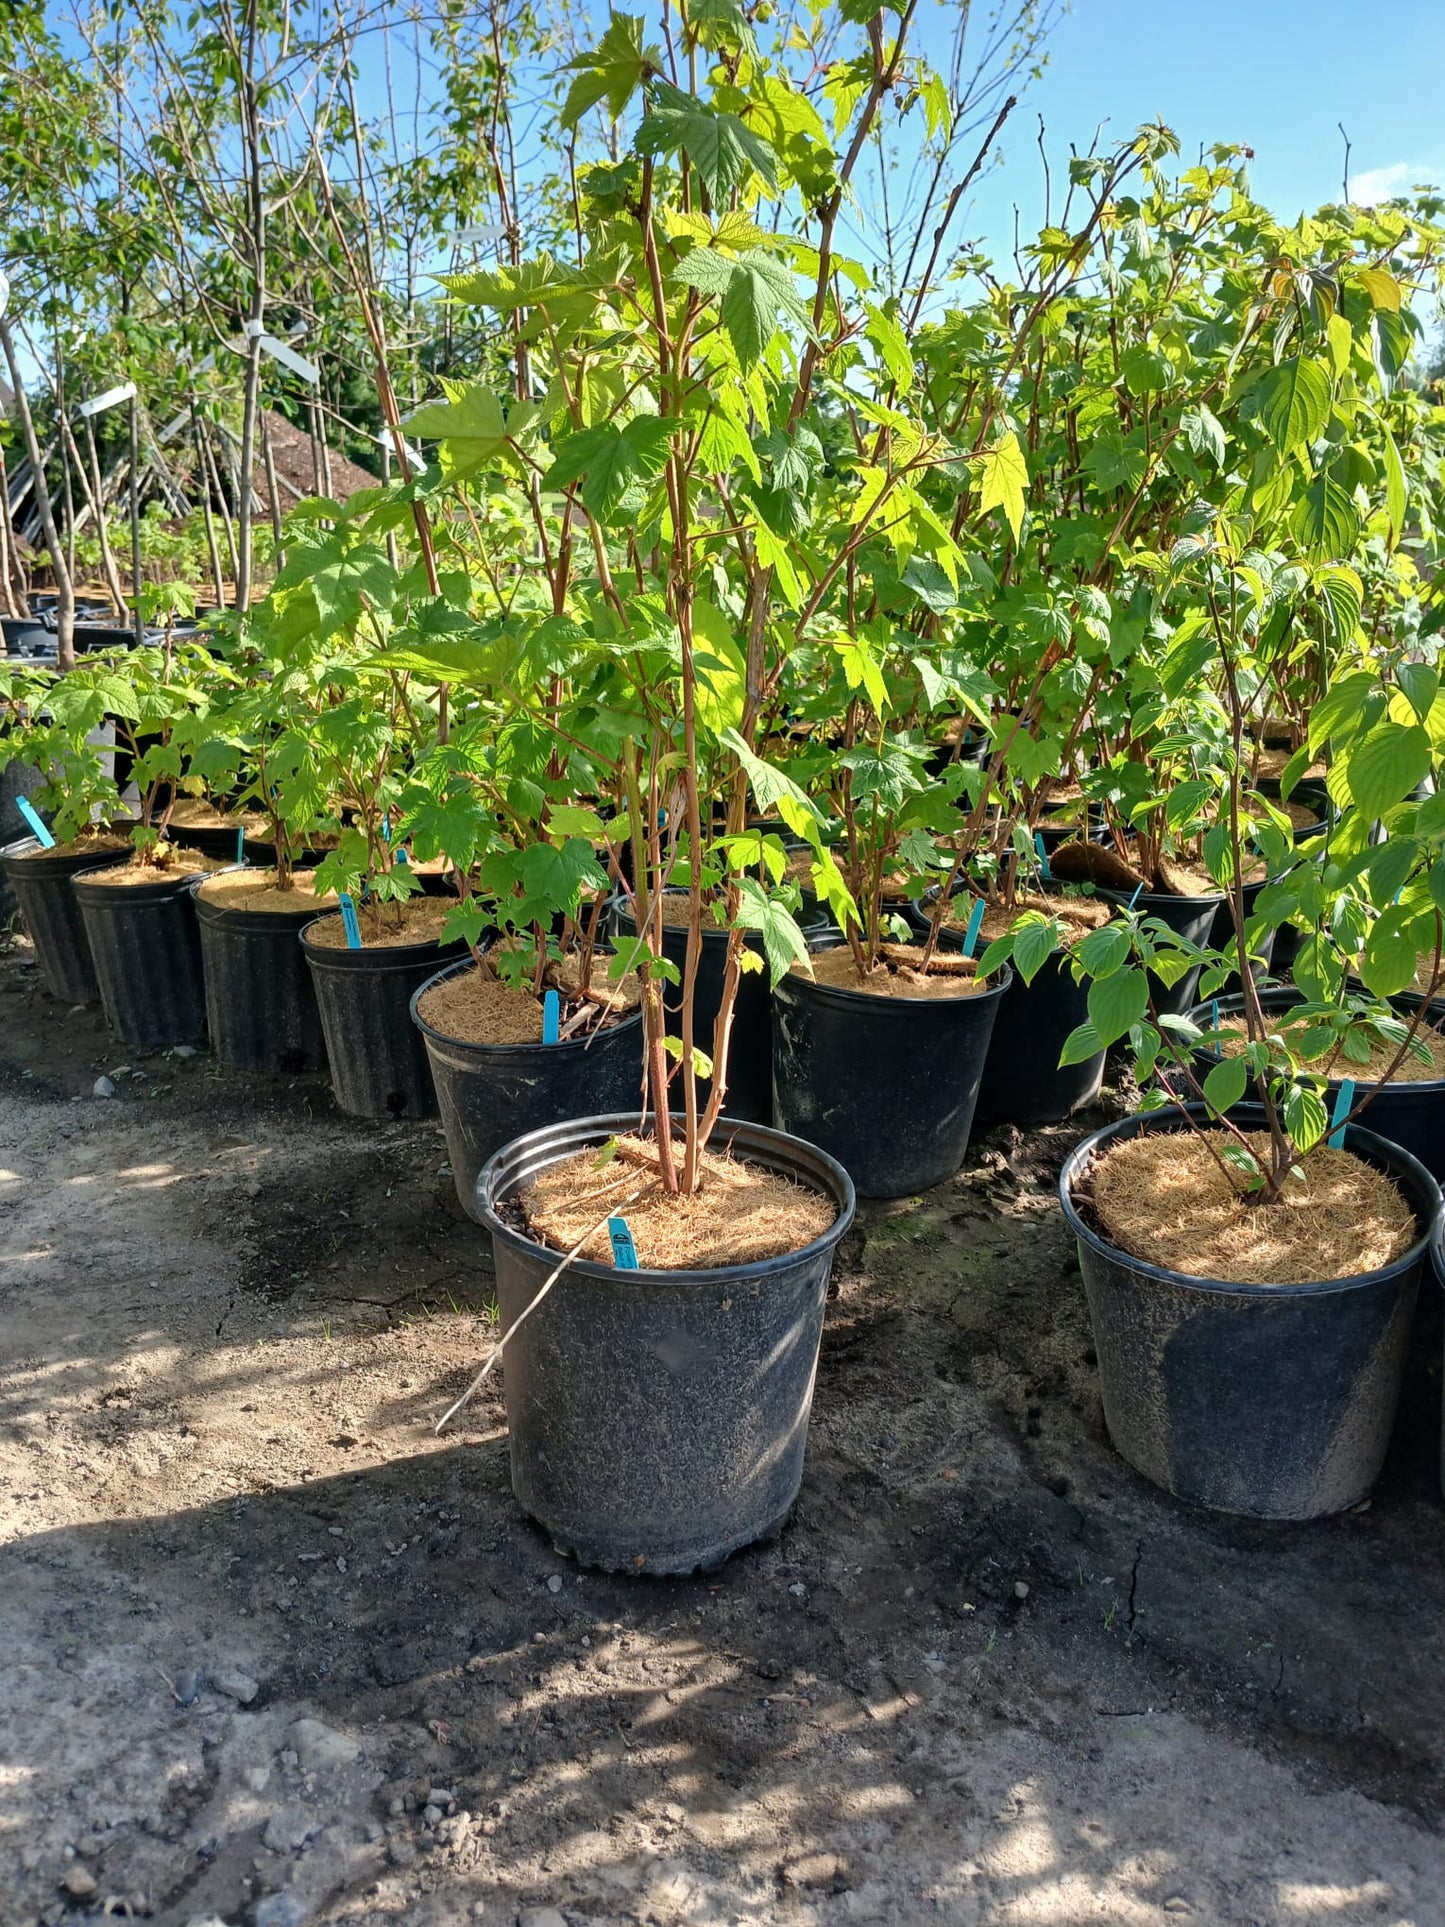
658 1418
40 879
378 1058
260 1001
1022 1082
883 1073
1409 1110
1179 893
1270 1391
199 825
494 1077
146 946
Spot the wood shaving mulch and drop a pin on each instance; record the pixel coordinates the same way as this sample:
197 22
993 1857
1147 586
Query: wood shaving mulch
898 975
1162 1197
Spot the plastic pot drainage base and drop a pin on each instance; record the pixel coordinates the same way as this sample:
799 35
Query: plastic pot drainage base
1271 1401
146 947
489 1094
658 1420
378 1059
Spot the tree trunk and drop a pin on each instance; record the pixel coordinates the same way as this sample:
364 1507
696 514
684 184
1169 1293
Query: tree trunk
96 494
9 560
64 586
203 483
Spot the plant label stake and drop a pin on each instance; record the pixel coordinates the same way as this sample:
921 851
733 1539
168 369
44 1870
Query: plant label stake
241 845
624 1251
1214 1014
1136 896
975 924
1044 870
349 923
27 810
1344 1100
551 1017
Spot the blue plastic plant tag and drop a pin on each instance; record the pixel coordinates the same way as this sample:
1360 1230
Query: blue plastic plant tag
401 854
1344 1102
1214 1014
26 809
240 843
624 1251
1134 900
975 924
1043 854
349 923
551 1017
386 825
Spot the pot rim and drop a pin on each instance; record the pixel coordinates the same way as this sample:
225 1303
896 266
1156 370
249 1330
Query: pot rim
838 994
1211 902
430 1031
181 885
603 1127
212 911
1173 1117
1429 1086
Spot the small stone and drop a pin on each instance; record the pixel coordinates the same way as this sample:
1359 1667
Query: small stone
188 1686
401 1853
336 1532
184 1050
539 1639
288 1829
554 1584
430 1815
341 1565
80 1883
1177 1904
319 1746
258 1778
281 1910
798 1589
121 1070
1021 1591
540 1917
102 1087
440 1796
235 1684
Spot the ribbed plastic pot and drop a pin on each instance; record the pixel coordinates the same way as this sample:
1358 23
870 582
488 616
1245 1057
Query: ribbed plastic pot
212 840
492 1093
1272 1401
886 1085
1411 1114
51 914
1193 919
658 1419
146 947
378 1060
750 1047
261 1004
16 780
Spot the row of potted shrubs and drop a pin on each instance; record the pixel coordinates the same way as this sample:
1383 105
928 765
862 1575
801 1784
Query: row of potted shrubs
1271 1400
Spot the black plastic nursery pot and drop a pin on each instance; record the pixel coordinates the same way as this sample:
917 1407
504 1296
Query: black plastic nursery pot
1023 1082
1189 917
886 1085
1271 1401
750 1047
658 1419
378 1059
1411 1115
492 1093
41 882
261 1006
146 947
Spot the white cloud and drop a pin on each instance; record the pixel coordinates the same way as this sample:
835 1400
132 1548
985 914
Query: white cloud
1386 183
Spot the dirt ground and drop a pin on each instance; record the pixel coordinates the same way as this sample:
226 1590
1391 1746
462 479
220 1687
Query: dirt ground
271 1652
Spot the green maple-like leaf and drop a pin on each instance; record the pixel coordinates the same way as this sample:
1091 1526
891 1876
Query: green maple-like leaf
473 429
613 71
608 459
723 150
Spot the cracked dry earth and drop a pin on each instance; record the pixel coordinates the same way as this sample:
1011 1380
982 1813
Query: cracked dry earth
270 1652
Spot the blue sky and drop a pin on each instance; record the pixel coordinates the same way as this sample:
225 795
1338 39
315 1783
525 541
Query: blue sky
1275 74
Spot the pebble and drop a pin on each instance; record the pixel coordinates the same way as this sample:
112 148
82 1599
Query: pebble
235 1684
319 1746
798 1589
102 1087
540 1917
121 1070
431 1815
188 1686
184 1050
288 1829
80 1883
401 1853
281 1910
1021 1591
554 1584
